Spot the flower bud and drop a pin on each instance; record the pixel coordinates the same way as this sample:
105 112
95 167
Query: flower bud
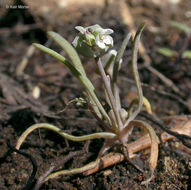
108 61
92 41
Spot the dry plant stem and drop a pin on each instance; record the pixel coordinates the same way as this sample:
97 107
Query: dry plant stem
166 80
67 105
139 145
55 166
61 133
106 161
129 21
161 92
20 68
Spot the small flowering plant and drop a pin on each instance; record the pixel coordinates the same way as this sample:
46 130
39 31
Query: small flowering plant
94 42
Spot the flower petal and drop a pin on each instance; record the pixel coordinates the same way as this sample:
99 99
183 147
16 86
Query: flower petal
100 43
108 40
107 31
80 29
96 28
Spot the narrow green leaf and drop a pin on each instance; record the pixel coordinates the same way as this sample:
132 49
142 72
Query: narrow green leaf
166 52
180 26
136 73
83 78
187 54
56 55
70 51
135 69
119 56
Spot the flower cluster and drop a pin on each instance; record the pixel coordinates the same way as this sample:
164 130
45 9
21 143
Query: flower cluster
92 41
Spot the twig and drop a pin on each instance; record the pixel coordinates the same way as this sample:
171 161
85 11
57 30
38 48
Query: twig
22 65
128 20
166 80
161 92
140 144
56 165
106 161
30 52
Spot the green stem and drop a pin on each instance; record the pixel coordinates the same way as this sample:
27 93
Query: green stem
73 171
91 92
110 94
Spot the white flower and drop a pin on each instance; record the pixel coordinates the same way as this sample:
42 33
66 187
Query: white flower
93 40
